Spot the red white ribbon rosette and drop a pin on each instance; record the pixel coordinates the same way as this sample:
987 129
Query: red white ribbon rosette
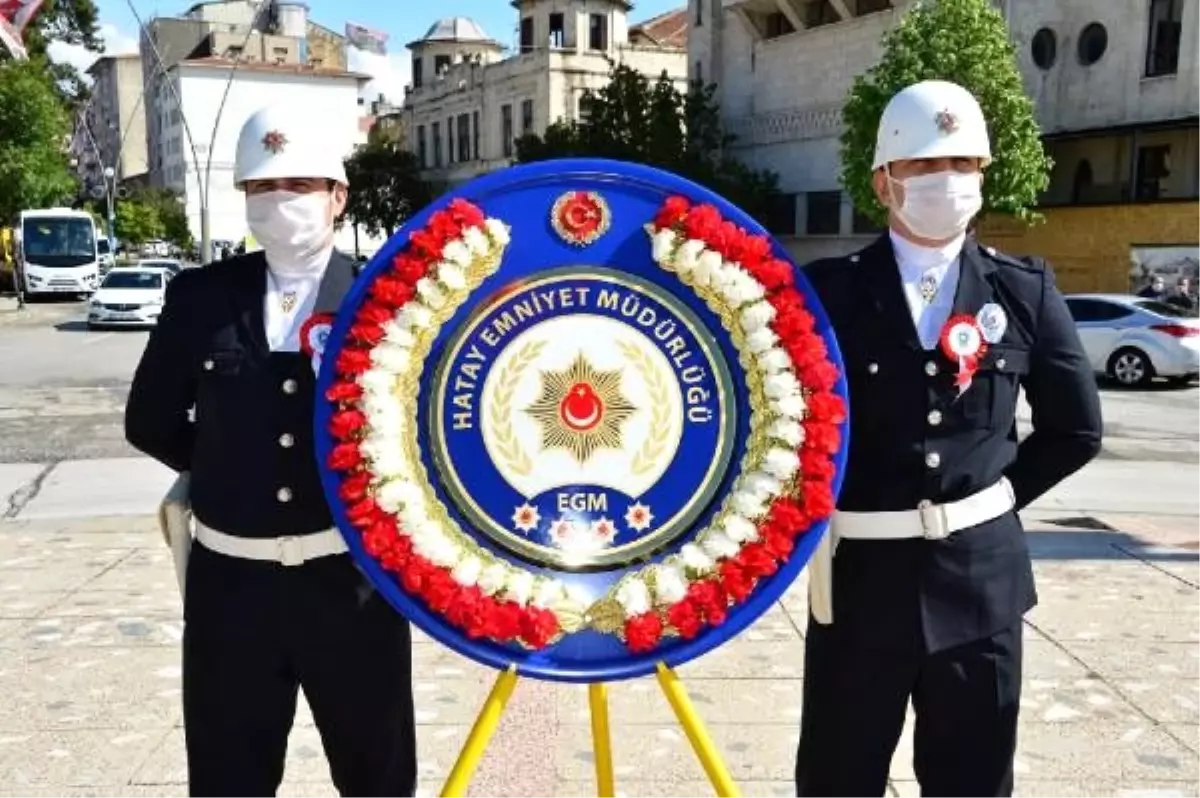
963 342
776 498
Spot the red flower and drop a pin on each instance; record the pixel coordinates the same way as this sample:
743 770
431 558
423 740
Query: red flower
778 542
344 391
353 361
440 590
468 611
804 349
642 632
797 325
756 560
391 291
363 513
737 582
427 243
672 212
413 578
465 213
774 274
344 423
815 464
786 302
686 619
409 267
503 621
344 457
538 627
372 312
701 221
354 487
365 333
821 437
826 406
819 376
818 499
376 542
710 598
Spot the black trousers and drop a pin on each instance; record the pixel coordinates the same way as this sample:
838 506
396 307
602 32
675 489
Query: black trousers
255 633
966 700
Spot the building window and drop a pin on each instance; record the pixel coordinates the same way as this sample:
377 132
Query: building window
421 146
1044 48
527 34
1162 43
818 13
1093 41
506 130
416 69
598 32
871 6
464 137
781 216
1081 187
441 64
776 25
824 217
450 140
699 13
1153 166
558 35
437 144
475 134
526 116
586 102
699 72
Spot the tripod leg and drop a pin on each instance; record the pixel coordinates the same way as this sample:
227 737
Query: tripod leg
481 734
601 740
693 727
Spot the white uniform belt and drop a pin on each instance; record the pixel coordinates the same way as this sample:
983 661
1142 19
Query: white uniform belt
929 520
289 550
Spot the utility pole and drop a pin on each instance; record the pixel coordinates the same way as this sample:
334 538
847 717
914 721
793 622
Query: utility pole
110 188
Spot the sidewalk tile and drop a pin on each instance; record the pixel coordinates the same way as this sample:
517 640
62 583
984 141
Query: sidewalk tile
67 574
75 759
1145 660
1071 789
719 701
1165 700
746 659
133 630
27 606
1189 733
635 788
155 602
1080 624
450 701
1127 753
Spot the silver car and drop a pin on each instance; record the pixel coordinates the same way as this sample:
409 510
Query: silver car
1132 339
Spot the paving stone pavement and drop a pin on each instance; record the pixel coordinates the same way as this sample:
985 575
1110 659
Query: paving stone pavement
89 674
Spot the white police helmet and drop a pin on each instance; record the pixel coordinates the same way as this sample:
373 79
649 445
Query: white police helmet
283 141
932 119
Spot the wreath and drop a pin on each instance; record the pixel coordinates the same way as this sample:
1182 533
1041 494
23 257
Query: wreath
783 489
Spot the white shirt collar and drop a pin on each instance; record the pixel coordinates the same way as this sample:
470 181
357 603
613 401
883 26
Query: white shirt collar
915 260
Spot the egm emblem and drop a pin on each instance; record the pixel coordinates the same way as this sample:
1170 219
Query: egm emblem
946 121
580 217
274 142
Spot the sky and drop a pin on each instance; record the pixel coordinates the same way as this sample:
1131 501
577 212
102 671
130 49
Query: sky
402 20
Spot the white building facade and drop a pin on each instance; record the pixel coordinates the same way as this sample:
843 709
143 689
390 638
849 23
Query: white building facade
469 103
331 97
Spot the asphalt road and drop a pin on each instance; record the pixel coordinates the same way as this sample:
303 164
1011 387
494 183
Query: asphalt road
63 388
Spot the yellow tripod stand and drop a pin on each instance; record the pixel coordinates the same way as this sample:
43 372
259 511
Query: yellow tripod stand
489 718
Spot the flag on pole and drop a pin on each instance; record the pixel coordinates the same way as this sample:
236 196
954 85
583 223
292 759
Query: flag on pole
364 38
15 16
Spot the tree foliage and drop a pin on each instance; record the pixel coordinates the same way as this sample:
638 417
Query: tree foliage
169 209
633 119
137 222
385 186
34 170
69 22
965 42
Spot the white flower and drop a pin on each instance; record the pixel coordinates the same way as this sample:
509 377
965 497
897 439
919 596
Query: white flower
430 294
377 382
457 252
788 406
387 459
393 333
761 340
497 231
452 276
777 386
634 596
737 286
468 570
746 503
662 244
394 359
414 316
476 241
436 547
694 557
788 430
749 288
547 593
739 529
492 580
762 485
688 255
670 585
757 315
706 267
719 546
394 494
519 587
781 463
578 597
774 360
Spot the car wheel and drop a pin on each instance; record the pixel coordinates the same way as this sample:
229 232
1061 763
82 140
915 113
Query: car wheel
1130 367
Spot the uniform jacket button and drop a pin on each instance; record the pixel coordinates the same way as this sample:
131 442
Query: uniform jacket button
287 440
208 365
289 386
1001 363
935 417
854 258
284 495
931 368
933 459
872 368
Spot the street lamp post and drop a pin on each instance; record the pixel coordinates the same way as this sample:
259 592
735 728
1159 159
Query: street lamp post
110 182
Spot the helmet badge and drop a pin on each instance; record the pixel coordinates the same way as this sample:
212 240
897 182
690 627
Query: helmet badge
946 122
274 142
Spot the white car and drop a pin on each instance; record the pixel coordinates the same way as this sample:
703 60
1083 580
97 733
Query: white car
172 266
1133 340
130 297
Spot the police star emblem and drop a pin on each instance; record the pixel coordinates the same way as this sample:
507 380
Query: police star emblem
581 409
946 122
274 142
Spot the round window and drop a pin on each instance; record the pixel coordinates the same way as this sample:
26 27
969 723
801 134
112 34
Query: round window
1093 41
1044 48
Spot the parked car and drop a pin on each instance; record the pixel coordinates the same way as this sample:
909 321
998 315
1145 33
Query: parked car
1133 339
174 267
130 297
106 257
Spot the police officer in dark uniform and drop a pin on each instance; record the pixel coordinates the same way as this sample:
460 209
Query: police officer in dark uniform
918 591
273 601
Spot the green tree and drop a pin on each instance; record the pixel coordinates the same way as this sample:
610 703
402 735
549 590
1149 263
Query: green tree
169 209
634 119
34 171
137 222
70 22
965 42
385 186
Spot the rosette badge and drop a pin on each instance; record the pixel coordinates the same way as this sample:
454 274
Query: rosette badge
581 417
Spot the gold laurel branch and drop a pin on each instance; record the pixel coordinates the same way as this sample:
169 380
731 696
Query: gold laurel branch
660 418
508 448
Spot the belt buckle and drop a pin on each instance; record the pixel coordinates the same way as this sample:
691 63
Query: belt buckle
933 521
291 552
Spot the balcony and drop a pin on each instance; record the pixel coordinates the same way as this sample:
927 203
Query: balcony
771 19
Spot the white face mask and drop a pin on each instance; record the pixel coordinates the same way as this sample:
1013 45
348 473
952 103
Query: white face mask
938 206
293 229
